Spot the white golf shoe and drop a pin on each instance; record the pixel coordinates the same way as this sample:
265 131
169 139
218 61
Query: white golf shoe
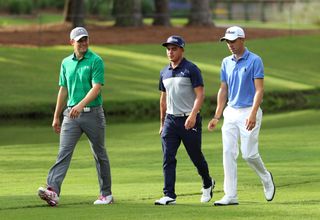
166 200
48 195
104 200
269 188
207 193
226 200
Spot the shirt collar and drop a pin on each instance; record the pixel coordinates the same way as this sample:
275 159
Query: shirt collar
245 55
85 56
180 64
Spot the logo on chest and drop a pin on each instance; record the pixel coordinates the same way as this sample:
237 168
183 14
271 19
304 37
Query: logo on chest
181 73
84 69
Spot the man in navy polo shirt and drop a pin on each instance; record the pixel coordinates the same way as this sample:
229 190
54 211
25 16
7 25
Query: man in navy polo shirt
242 87
182 95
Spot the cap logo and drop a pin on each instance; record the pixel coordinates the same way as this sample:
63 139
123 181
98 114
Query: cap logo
231 32
170 39
80 31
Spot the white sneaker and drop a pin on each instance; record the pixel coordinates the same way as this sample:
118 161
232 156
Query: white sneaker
269 188
226 200
166 200
48 195
104 200
207 193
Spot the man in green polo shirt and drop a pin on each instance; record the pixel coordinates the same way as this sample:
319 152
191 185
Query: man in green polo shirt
81 79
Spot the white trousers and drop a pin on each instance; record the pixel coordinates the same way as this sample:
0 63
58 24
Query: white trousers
233 131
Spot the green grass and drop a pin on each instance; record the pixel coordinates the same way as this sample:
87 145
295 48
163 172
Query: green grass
40 19
132 71
288 145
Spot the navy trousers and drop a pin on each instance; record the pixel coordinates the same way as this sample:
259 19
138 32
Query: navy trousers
173 133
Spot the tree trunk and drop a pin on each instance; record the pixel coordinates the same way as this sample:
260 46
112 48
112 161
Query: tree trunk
67 11
246 7
200 13
162 16
263 17
229 7
128 13
74 12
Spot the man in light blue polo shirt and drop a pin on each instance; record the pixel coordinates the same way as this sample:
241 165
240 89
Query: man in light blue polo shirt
181 97
241 87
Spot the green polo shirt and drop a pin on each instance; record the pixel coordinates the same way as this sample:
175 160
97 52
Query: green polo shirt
79 75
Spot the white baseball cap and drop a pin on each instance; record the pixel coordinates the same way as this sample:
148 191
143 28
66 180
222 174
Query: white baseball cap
77 33
233 33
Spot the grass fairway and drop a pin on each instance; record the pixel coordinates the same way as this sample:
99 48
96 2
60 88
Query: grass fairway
289 147
132 71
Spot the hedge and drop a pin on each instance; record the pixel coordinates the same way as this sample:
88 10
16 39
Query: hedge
149 109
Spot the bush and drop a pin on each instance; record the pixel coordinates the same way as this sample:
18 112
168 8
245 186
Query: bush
102 8
20 7
306 12
28 6
147 8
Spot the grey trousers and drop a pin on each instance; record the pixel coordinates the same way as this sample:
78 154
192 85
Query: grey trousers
93 124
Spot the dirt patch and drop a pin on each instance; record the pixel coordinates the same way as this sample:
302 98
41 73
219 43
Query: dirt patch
58 34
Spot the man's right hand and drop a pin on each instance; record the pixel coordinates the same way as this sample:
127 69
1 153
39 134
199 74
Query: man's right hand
212 124
56 125
160 130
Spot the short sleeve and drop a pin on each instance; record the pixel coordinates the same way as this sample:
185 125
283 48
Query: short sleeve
161 86
195 76
223 76
258 69
98 71
62 76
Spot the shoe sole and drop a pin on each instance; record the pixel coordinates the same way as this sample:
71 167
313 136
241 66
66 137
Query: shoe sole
109 203
167 203
220 204
44 197
274 186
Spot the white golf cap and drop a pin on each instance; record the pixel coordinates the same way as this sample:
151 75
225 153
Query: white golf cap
233 33
77 33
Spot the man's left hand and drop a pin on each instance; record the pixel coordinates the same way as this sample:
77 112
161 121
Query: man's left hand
75 111
251 122
190 122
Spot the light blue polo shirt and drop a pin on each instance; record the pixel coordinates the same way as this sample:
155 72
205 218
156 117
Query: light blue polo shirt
239 76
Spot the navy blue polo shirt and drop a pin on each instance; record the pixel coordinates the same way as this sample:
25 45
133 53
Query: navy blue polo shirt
179 84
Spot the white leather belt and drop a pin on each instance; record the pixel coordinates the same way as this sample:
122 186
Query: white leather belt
85 109
182 114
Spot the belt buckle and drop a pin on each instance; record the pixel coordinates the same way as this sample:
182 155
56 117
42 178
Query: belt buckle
182 114
86 109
